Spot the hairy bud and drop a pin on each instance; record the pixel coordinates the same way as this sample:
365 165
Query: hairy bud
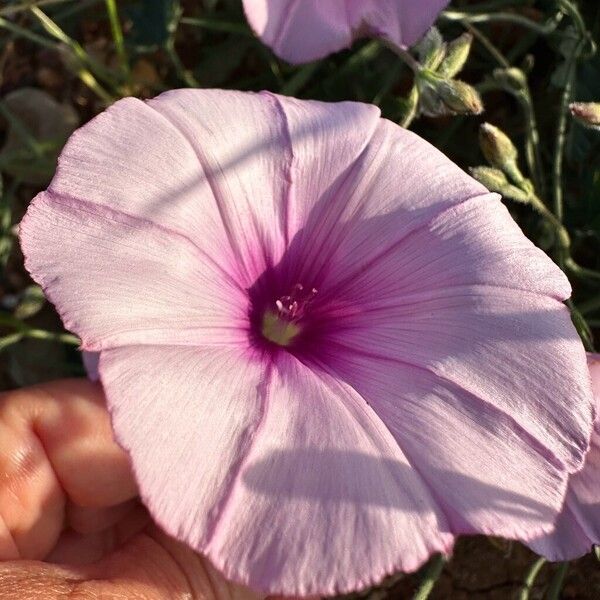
586 113
457 53
496 146
495 181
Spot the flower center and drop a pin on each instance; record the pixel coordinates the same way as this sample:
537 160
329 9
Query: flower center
282 323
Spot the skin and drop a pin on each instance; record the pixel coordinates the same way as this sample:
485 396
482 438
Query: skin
71 527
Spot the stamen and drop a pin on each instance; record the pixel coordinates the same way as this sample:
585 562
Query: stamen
284 323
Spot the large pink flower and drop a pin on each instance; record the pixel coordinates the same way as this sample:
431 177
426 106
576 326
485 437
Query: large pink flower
326 348
304 30
578 526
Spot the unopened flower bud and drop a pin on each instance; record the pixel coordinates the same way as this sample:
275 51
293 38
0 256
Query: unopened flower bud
586 113
495 181
457 53
496 146
431 49
460 97
440 97
511 79
501 153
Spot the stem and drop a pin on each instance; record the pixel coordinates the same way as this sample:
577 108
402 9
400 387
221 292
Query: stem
412 104
183 73
79 54
488 45
25 33
117 33
300 78
581 272
562 235
406 57
23 330
431 575
11 10
506 17
532 145
530 578
559 148
214 25
557 581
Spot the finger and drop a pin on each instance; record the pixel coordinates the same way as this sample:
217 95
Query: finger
74 548
153 568
86 520
55 444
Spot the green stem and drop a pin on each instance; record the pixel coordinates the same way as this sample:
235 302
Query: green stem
300 78
559 146
117 33
430 577
25 33
78 53
571 9
532 145
562 235
11 10
488 45
405 56
214 25
23 330
557 581
506 17
530 578
184 74
412 104
581 272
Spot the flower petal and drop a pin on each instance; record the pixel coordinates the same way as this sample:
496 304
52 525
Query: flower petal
578 526
346 211
402 22
130 159
118 280
488 474
300 31
187 417
314 499
468 298
308 30
268 174
326 502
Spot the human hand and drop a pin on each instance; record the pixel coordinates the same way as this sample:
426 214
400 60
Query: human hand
70 523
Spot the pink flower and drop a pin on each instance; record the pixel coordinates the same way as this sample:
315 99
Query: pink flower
301 31
326 348
578 526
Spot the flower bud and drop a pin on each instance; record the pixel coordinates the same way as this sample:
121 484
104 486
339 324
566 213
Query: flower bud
457 53
495 181
431 49
460 97
511 79
586 113
496 146
440 97
501 153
